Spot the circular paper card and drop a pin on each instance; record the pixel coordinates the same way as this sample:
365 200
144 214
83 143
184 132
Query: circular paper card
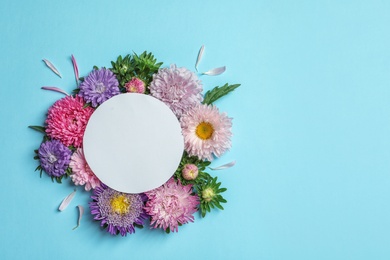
133 143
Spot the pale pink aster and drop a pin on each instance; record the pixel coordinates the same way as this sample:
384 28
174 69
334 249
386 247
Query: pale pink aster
171 204
135 85
189 172
67 119
178 88
82 174
206 132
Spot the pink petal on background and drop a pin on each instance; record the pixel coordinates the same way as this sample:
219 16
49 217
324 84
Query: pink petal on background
55 89
200 54
66 201
224 166
76 69
81 212
216 71
52 67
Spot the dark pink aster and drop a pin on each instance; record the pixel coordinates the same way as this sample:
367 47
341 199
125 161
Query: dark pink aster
99 86
66 120
170 205
117 211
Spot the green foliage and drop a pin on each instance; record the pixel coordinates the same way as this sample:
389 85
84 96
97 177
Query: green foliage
218 92
202 175
210 195
38 128
142 67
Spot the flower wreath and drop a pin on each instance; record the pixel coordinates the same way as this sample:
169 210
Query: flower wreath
205 130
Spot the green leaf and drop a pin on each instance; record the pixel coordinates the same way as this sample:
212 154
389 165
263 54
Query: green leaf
218 92
38 128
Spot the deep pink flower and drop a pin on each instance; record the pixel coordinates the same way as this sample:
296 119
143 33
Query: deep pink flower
82 174
67 119
171 204
206 132
135 85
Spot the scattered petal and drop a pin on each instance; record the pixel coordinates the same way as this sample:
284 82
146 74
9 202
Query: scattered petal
76 69
224 166
214 72
67 201
52 67
200 54
81 212
56 90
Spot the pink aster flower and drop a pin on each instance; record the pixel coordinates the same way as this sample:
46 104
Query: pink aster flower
171 204
178 88
135 85
67 119
189 172
206 132
82 174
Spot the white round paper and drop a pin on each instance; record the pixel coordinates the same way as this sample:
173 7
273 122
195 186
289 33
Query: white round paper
133 143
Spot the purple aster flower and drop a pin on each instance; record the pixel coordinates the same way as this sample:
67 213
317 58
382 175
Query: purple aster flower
99 86
178 88
118 211
54 157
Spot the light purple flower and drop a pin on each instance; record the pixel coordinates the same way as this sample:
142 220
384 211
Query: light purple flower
54 157
178 88
99 86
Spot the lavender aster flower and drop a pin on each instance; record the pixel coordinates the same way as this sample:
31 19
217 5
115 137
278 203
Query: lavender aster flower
118 211
99 86
54 157
178 88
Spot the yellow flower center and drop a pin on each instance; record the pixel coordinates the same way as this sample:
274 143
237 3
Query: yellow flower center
208 194
120 204
204 130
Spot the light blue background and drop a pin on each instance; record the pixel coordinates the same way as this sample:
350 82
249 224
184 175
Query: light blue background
311 124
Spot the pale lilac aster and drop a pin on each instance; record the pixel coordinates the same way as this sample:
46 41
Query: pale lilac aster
117 211
189 172
67 119
82 173
171 204
135 85
206 132
99 86
178 88
54 157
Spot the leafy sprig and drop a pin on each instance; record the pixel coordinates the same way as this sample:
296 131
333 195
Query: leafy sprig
218 92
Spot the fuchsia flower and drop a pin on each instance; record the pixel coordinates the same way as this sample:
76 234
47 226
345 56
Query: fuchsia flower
171 204
206 132
135 85
67 119
82 174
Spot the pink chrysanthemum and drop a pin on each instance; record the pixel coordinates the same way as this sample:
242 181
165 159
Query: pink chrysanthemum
178 88
135 85
206 132
82 174
67 119
170 205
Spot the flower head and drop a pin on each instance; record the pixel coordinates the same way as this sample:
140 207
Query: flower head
54 158
189 172
67 119
99 86
178 88
118 211
170 205
82 174
135 85
206 132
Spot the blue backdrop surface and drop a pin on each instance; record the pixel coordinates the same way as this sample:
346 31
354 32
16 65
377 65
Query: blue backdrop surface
311 124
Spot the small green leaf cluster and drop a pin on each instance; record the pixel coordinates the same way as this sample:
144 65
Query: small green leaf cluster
210 196
218 92
202 175
142 67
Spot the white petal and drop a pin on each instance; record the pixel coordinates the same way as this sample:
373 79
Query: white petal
200 54
216 71
66 201
224 166
81 212
52 67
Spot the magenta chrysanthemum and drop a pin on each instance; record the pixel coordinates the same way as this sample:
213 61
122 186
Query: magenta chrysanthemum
170 205
206 132
135 85
178 88
82 174
67 119
118 211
